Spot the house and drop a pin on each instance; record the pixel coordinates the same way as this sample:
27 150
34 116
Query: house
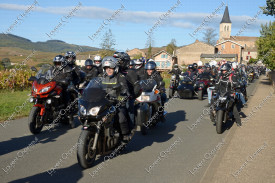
134 52
163 60
243 46
206 58
191 53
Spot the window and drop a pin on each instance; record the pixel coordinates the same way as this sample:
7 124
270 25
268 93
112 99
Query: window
224 28
244 45
163 56
227 28
247 57
249 53
166 56
223 46
232 46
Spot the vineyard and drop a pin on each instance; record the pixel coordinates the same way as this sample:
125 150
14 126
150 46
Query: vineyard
15 79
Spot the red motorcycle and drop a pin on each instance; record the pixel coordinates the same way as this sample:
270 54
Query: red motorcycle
49 107
202 83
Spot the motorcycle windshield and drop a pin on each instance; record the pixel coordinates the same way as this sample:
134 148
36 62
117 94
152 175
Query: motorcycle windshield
148 85
95 91
45 71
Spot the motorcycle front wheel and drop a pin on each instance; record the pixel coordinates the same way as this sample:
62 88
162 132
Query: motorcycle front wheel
34 121
219 122
85 155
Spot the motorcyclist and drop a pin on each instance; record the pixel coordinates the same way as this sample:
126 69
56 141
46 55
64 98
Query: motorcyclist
132 82
228 83
195 68
177 72
73 68
60 72
131 64
110 78
242 90
139 66
90 70
151 73
97 64
190 74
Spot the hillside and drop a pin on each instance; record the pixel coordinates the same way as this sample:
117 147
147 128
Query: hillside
9 40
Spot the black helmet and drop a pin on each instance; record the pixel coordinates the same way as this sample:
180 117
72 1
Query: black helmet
191 66
207 66
151 65
89 62
123 59
195 65
175 66
58 60
72 55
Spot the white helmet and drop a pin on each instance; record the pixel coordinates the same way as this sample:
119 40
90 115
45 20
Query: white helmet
111 62
97 58
138 63
200 63
234 65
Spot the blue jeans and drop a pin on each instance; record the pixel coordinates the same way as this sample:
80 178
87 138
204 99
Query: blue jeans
209 92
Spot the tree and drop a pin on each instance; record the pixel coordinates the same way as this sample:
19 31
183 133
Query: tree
171 47
6 62
149 44
266 45
108 42
269 9
137 56
210 36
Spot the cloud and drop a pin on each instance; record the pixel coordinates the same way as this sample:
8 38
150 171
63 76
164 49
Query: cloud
175 19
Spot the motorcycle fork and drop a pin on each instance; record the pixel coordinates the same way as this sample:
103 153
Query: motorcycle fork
96 137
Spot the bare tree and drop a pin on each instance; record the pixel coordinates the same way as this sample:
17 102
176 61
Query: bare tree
149 44
210 36
108 41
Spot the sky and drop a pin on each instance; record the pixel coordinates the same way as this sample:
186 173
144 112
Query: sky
84 22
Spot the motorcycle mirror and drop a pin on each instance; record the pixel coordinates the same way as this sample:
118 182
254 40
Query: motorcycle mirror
33 69
32 78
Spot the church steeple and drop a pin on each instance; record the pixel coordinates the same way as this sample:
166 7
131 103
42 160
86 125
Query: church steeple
225 25
226 18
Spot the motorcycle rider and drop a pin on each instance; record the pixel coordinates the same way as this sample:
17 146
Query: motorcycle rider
131 64
90 70
151 73
228 83
111 77
97 64
60 72
73 68
177 72
132 82
139 66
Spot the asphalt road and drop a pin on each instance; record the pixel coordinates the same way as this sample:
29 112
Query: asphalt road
179 150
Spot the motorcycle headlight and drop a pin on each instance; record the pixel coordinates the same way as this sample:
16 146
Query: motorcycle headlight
222 99
45 89
34 89
82 110
94 111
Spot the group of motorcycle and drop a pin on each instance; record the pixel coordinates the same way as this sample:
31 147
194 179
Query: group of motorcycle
224 104
96 110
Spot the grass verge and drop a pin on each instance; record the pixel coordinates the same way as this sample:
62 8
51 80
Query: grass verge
14 104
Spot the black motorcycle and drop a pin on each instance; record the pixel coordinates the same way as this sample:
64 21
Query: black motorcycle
186 88
221 109
101 132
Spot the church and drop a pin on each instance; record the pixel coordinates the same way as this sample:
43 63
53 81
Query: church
232 48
